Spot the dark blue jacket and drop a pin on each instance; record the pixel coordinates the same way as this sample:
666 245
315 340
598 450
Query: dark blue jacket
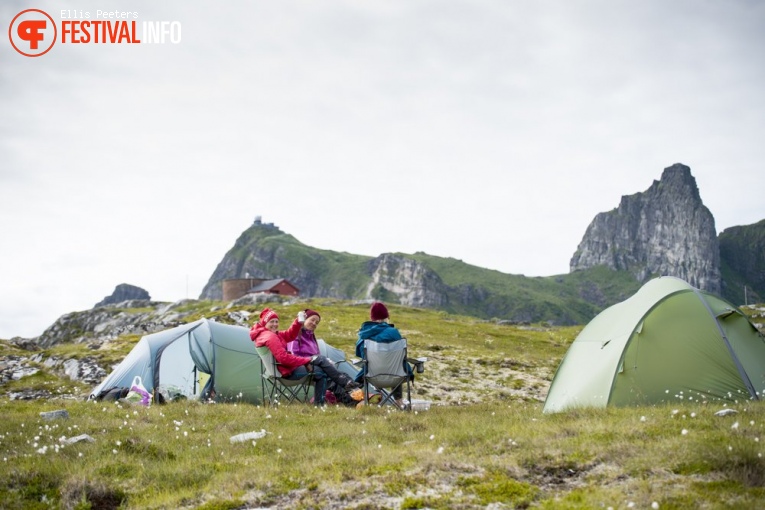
380 332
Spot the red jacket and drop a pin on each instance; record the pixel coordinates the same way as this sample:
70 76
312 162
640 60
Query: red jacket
277 344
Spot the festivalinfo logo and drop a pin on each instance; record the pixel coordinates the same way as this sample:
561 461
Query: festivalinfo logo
34 32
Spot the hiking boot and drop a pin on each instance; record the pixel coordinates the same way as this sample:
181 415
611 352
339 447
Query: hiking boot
352 385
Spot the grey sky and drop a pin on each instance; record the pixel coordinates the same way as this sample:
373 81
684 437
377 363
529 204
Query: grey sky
489 131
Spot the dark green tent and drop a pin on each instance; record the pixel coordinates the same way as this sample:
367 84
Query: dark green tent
668 342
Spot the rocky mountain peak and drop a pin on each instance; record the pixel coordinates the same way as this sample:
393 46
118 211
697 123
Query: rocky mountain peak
678 181
664 231
124 292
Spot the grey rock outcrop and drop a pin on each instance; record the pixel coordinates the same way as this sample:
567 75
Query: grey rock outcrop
664 231
108 322
406 281
124 292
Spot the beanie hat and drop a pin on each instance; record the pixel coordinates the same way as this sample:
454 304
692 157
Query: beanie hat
311 313
266 315
378 312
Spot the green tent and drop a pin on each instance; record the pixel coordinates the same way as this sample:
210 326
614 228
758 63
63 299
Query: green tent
668 342
198 360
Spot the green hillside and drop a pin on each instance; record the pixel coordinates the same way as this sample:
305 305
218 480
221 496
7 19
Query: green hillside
264 251
573 298
742 261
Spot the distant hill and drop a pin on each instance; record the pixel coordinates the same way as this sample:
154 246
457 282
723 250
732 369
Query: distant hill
420 280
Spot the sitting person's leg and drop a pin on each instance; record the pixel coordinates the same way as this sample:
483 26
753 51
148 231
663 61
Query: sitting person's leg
323 364
320 387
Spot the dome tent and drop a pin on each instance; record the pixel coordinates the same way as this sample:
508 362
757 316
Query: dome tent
668 342
194 359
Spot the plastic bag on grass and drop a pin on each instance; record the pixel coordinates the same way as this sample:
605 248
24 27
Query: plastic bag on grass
138 393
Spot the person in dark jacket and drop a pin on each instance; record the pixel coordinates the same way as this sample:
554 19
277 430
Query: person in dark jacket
266 332
379 329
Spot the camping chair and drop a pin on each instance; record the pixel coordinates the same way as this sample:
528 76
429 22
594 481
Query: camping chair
275 385
385 369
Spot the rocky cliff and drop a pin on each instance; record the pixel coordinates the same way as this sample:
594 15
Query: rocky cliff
664 231
742 255
405 280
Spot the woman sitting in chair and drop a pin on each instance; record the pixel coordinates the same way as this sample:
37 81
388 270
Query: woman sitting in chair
266 333
305 343
380 330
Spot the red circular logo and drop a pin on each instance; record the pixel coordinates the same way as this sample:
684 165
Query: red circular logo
32 32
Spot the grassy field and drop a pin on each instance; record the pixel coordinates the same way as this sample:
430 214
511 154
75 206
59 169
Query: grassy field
484 443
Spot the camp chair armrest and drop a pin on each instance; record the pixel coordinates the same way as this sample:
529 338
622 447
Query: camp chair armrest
419 363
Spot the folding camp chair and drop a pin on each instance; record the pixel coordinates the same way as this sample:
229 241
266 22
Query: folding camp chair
275 385
386 368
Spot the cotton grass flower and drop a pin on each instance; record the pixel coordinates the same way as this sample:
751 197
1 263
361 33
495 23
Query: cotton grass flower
684 432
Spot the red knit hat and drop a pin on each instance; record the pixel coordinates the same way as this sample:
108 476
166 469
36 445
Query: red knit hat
378 311
311 313
266 315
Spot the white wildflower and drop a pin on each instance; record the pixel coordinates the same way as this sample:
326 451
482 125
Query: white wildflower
279 450
642 418
734 426
440 450
684 432
655 505
432 437
114 452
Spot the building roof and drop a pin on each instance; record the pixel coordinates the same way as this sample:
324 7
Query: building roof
267 285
